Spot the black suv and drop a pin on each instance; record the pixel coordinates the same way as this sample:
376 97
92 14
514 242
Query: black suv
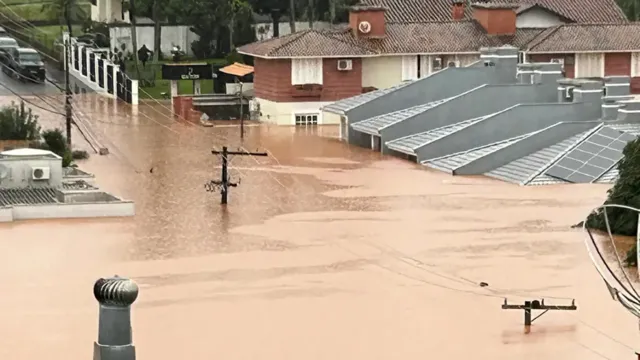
6 45
25 64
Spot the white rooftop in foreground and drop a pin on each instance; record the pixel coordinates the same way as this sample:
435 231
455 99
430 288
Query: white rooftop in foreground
28 152
33 185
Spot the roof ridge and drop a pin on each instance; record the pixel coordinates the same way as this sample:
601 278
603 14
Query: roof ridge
584 135
357 44
289 39
538 39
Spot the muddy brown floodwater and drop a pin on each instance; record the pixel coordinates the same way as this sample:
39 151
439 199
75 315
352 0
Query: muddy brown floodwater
324 252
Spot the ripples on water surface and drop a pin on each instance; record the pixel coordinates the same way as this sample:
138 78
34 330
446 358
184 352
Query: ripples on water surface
324 252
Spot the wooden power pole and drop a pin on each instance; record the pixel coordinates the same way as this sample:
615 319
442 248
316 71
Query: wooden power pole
224 182
67 105
536 305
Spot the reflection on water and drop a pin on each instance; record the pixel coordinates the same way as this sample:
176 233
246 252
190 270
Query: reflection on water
324 252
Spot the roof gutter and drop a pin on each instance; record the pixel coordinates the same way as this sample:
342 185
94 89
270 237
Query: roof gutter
356 56
578 51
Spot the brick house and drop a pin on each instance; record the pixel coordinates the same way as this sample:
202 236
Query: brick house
388 42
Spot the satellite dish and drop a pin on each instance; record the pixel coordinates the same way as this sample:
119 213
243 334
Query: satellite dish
4 172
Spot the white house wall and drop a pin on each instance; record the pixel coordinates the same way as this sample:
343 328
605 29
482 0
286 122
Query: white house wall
171 35
108 11
537 18
282 113
381 72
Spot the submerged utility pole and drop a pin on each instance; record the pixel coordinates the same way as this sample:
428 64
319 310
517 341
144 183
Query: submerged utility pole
224 182
536 305
67 104
115 339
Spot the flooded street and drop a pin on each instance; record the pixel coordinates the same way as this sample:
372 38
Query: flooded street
324 252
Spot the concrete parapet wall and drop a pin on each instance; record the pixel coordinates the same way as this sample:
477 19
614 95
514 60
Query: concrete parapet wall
538 141
66 211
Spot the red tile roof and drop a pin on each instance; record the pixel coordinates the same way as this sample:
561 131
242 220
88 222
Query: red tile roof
588 37
447 37
403 11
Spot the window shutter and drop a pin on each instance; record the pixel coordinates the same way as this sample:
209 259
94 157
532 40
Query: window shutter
635 64
296 73
306 71
589 65
425 66
409 67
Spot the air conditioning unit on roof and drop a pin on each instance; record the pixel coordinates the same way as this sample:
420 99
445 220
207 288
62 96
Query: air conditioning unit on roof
345 65
40 173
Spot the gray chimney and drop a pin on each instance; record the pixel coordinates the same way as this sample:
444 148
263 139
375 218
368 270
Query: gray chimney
617 86
547 73
525 73
629 111
609 109
115 341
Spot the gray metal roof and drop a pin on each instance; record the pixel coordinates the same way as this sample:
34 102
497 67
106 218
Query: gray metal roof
592 157
631 128
9 197
452 162
409 144
341 106
528 170
609 177
375 124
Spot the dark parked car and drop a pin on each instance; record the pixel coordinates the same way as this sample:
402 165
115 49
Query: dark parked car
6 45
25 64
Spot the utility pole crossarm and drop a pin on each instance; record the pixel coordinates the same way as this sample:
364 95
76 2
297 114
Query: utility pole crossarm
224 184
528 306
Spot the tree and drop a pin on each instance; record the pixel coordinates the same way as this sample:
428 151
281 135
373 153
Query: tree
292 16
67 11
626 191
631 9
16 123
236 8
275 8
134 36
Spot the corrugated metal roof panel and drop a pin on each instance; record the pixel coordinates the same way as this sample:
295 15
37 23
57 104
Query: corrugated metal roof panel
375 124
454 161
409 144
631 128
355 101
9 197
609 177
520 170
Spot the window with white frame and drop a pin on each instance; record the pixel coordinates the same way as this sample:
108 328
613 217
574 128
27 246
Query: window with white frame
306 71
409 67
424 64
635 64
306 119
589 65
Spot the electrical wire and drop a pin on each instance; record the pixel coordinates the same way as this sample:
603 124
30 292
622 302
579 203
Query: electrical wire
403 257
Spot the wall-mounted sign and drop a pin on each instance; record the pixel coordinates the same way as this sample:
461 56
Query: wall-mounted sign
197 71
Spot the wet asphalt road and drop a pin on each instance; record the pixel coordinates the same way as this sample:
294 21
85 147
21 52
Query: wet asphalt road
27 88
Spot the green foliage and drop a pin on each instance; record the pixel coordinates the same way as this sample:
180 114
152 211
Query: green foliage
55 141
626 191
233 57
16 123
631 9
